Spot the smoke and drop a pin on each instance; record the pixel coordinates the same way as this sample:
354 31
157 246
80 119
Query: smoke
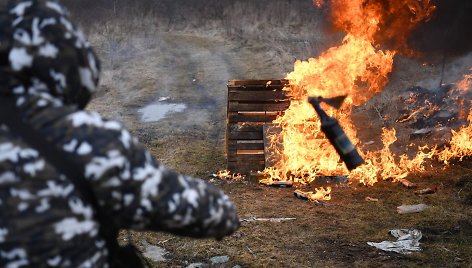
412 27
448 32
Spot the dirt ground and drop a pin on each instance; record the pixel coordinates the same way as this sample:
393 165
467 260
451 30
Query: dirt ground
192 66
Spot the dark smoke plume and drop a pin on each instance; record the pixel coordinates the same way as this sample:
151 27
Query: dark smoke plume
448 32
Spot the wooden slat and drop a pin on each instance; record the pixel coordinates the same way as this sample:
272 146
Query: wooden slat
237 106
245 127
251 103
259 88
235 117
253 95
234 145
244 167
246 154
240 135
245 157
257 82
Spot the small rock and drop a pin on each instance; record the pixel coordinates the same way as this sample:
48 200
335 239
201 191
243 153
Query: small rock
443 115
155 253
237 266
408 183
219 259
406 209
429 190
196 265
371 199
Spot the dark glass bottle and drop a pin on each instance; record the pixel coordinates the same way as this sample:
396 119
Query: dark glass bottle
336 136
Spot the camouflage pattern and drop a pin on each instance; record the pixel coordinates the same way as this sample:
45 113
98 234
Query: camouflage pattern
50 71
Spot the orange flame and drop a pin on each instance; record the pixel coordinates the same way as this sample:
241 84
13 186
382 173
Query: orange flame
356 68
320 194
465 84
460 145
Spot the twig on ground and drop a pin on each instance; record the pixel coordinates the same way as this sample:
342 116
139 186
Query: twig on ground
164 241
250 251
252 219
379 114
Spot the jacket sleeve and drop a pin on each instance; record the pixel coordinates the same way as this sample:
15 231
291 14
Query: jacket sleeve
132 188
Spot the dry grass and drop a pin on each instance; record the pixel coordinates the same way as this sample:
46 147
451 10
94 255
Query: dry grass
336 235
157 48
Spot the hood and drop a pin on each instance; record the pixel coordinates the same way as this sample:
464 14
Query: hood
42 53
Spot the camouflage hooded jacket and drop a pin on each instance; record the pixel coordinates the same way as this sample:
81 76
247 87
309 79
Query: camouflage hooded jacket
49 70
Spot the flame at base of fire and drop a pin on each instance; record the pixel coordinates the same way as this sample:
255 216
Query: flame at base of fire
359 69
317 195
460 145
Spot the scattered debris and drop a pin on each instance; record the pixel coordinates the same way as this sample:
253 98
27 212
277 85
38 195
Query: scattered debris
407 241
219 259
314 197
434 112
196 265
419 133
406 209
321 180
250 251
269 182
408 183
164 241
369 143
163 98
154 253
252 219
371 199
428 190
227 175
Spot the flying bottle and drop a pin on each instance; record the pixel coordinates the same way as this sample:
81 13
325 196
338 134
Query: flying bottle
335 134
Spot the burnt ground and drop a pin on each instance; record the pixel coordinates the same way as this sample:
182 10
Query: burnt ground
144 60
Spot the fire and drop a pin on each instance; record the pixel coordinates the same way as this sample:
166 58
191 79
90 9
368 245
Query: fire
383 164
320 194
356 68
226 174
460 144
465 83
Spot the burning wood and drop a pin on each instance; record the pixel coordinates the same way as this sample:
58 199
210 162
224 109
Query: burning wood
269 182
320 194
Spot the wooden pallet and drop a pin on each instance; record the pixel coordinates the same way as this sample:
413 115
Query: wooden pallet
251 104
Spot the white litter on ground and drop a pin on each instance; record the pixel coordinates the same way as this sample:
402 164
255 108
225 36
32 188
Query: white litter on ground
155 253
407 241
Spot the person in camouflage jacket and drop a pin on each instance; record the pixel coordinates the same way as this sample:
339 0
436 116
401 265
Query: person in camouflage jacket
50 71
